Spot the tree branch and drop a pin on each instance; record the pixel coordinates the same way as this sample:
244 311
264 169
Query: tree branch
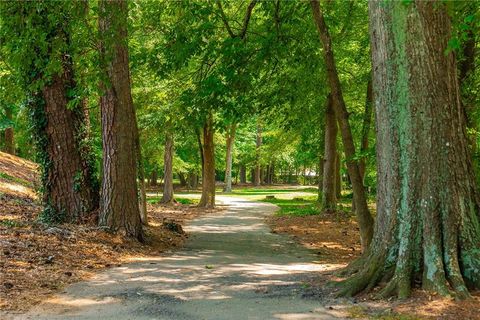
224 19
246 20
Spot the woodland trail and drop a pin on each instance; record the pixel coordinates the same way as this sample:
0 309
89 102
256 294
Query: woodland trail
231 267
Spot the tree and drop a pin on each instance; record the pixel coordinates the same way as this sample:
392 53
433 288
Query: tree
207 199
9 135
168 169
229 156
258 166
428 222
38 39
119 201
365 220
329 193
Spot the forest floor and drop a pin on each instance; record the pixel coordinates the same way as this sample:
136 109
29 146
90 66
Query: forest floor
37 260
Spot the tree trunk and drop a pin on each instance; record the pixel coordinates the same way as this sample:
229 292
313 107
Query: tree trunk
208 179
183 180
329 195
243 174
192 180
257 176
70 189
338 175
229 157
154 178
320 178
365 220
119 201
168 170
142 193
428 222
9 135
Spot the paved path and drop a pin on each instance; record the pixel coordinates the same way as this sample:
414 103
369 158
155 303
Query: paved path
232 267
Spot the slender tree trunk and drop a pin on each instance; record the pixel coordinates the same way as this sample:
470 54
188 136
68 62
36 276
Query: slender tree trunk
183 180
142 192
321 162
338 175
154 178
208 179
257 176
329 195
243 174
367 121
229 157
9 135
168 197
365 220
428 222
119 208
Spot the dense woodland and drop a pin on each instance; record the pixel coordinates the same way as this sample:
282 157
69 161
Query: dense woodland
374 101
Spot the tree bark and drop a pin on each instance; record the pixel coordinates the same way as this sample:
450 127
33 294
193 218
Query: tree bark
329 195
119 201
257 175
9 134
168 197
208 178
243 174
142 192
229 157
428 222
365 220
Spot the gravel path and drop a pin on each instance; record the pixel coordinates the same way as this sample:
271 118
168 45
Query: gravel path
232 267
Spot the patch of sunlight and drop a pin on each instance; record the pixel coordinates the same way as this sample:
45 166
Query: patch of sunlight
81 302
16 188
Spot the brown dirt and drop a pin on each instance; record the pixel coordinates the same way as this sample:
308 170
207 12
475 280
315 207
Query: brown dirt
336 240
37 260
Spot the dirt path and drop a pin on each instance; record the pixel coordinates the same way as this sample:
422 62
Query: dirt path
232 267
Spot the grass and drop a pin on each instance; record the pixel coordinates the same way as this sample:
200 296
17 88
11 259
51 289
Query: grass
304 206
10 178
156 200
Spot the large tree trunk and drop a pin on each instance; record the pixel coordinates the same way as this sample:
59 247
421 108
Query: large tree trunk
338 175
428 222
9 135
229 157
70 191
329 195
168 170
365 220
367 121
119 201
208 178
257 175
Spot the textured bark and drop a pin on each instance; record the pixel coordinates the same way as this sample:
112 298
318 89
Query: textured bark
70 192
168 170
208 178
428 222
229 157
365 220
9 134
257 172
119 208
329 195
243 174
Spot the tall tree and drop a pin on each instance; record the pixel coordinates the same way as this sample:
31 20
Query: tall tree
428 221
329 194
38 37
365 220
258 167
229 156
207 199
168 169
119 208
